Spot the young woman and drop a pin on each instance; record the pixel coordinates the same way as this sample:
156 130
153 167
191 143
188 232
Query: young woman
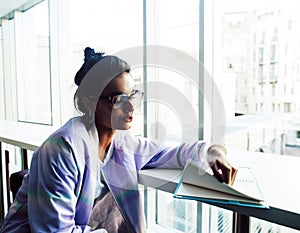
83 178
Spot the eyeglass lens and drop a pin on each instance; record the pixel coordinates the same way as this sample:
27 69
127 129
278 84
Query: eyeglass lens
135 99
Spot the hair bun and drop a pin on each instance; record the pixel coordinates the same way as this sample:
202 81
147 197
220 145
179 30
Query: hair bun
90 59
88 52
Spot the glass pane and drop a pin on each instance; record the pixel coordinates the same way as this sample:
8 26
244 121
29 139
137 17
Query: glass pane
224 220
2 102
34 84
106 25
110 27
258 225
176 214
260 52
259 55
174 24
174 100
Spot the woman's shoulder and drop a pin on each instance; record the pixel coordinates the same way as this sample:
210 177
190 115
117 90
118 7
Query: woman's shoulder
71 139
125 137
69 134
72 127
125 140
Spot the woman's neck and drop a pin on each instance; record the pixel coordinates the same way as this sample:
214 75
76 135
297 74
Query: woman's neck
105 136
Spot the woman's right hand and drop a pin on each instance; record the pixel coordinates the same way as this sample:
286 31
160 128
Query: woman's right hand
222 169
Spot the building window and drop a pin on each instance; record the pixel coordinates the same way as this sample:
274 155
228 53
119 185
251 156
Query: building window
261 65
261 55
263 38
273 53
273 72
298 69
261 73
273 90
275 35
287 107
290 24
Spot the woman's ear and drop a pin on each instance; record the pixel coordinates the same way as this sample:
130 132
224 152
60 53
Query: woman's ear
89 104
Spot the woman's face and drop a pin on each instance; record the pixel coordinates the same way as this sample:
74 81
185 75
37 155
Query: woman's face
111 116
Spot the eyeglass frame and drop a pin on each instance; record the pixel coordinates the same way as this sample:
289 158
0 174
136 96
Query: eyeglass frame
111 97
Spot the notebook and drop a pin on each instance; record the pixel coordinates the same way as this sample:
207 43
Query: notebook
196 184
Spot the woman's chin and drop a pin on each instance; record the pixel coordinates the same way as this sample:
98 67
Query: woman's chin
126 126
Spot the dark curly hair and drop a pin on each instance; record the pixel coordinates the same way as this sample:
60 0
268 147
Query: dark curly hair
90 59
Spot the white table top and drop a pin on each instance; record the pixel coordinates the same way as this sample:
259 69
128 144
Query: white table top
25 135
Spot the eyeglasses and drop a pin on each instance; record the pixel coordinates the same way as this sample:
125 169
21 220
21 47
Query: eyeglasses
117 101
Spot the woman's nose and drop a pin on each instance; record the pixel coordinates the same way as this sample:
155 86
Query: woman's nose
128 106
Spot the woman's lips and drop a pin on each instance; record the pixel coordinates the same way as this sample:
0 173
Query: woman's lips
128 119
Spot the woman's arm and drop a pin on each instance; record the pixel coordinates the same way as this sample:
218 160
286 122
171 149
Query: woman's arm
152 154
51 195
209 157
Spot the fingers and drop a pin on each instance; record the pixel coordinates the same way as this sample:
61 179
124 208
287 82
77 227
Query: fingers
219 164
233 175
223 172
217 173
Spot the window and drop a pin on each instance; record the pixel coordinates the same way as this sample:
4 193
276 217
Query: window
274 90
290 23
2 101
287 107
298 68
273 53
268 32
247 51
105 25
111 27
33 65
176 214
263 35
179 31
261 66
261 55
261 73
275 35
273 66
273 72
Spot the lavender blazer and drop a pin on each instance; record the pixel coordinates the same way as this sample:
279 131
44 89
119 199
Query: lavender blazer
59 192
